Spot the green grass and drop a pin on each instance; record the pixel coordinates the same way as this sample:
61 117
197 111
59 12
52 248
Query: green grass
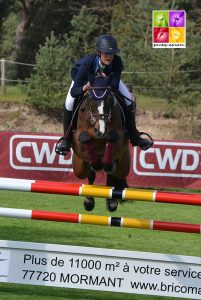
14 94
146 102
94 235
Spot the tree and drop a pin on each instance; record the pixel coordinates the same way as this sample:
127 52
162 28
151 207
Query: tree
28 8
134 19
8 32
47 87
80 41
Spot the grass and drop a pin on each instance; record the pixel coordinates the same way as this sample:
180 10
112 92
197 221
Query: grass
14 94
146 102
92 235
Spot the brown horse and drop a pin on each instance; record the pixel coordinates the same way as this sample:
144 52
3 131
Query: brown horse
100 141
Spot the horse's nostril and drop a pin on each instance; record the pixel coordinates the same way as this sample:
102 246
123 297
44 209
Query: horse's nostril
97 132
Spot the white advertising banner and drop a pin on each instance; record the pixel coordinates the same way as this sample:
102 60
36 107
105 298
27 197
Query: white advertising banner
100 269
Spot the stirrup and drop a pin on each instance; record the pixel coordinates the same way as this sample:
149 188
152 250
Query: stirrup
61 148
146 144
149 143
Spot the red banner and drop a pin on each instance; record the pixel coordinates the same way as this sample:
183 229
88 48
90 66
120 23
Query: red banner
166 164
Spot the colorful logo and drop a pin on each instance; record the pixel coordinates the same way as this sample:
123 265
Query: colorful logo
169 29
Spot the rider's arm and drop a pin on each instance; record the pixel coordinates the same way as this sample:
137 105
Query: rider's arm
117 68
79 82
81 74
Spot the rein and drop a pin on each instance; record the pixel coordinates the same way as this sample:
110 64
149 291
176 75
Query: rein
93 117
73 117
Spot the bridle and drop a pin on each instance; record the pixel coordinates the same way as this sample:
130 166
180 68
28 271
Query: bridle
94 118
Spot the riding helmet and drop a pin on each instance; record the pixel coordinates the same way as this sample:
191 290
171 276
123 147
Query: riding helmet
107 44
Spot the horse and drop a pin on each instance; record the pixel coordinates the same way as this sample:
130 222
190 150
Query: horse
99 140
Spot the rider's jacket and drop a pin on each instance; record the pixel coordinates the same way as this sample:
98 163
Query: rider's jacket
90 65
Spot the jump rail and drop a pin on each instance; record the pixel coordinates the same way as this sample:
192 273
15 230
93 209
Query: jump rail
77 189
99 220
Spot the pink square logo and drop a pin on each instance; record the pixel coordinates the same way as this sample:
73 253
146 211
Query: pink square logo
161 35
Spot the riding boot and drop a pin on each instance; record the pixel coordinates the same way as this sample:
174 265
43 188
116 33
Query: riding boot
64 144
133 133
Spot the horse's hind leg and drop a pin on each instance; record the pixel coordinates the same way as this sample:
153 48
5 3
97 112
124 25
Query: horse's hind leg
89 202
112 204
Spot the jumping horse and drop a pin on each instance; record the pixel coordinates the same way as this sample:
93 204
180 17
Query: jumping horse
100 141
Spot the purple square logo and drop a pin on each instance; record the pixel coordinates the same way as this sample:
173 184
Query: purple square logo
177 18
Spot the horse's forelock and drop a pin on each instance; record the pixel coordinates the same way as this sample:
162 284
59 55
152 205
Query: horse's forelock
101 81
100 85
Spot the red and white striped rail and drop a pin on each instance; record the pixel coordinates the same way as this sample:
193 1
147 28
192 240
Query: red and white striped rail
99 220
38 186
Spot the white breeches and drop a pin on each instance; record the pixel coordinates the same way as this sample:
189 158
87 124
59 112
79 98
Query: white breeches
69 103
69 99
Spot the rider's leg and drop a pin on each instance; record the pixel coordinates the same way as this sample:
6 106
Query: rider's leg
64 146
133 133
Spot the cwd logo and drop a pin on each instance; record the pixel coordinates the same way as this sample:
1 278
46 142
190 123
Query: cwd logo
36 152
170 159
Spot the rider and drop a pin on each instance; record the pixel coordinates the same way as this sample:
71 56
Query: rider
104 62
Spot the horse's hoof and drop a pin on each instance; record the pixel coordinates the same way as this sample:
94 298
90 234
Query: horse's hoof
111 204
89 204
109 168
97 166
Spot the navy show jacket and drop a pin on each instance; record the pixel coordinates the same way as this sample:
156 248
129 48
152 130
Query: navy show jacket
88 65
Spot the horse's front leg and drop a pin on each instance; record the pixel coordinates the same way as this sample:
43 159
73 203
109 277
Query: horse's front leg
94 159
108 162
83 170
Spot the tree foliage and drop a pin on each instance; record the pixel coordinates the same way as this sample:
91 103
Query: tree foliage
80 40
47 86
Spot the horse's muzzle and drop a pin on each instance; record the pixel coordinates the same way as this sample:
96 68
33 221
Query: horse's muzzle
99 134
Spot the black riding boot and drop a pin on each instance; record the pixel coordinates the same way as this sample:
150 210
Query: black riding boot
64 144
133 133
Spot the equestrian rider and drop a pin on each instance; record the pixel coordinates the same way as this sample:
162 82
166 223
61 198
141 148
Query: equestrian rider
104 62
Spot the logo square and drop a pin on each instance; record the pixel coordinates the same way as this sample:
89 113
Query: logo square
176 35
177 18
161 35
160 18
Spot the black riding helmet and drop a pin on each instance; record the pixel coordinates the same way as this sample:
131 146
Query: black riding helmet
106 44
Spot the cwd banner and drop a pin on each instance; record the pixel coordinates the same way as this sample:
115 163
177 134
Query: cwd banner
100 269
167 164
